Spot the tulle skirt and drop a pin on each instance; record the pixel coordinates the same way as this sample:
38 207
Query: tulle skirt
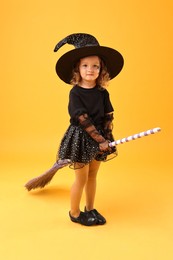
77 146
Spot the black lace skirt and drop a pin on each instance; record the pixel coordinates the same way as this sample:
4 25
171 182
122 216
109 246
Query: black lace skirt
80 148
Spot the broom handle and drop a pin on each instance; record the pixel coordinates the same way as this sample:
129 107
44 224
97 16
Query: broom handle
135 136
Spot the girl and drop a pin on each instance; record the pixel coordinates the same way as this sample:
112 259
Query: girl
86 142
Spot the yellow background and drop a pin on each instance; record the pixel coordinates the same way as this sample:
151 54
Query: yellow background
135 189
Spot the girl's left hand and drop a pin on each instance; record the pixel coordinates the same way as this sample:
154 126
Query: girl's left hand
104 146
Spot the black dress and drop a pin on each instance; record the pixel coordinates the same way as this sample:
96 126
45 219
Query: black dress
76 144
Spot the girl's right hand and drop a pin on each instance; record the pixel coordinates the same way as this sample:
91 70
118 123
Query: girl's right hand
104 146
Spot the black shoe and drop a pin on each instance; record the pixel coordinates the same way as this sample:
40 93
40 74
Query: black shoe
100 219
84 219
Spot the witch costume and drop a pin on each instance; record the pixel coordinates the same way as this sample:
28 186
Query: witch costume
90 110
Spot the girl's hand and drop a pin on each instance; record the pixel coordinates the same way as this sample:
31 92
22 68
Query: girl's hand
104 146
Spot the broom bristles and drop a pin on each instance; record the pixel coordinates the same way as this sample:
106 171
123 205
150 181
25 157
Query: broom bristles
42 180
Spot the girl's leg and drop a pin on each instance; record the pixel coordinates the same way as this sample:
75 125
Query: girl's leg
90 187
81 177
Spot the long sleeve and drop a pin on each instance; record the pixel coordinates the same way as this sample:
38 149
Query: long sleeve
87 125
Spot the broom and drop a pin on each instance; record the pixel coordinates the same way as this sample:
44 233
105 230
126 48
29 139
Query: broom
45 178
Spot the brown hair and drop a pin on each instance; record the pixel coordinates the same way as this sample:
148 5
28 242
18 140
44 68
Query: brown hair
102 80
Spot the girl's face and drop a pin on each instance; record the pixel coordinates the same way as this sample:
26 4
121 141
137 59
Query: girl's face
89 68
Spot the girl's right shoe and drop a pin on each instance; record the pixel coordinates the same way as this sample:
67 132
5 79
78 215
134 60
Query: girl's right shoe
84 219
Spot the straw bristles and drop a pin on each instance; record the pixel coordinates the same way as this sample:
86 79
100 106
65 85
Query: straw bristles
45 178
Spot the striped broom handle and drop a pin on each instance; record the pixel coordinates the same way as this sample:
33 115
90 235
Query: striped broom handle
135 136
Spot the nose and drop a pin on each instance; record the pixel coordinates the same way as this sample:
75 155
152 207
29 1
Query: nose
90 68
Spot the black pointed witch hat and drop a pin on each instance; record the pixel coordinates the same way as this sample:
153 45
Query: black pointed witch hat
86 45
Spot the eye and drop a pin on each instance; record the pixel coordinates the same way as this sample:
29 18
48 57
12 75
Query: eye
84 65
96 66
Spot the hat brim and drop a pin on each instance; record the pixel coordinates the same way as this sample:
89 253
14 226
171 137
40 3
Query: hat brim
112 59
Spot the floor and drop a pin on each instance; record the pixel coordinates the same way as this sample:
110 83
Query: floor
136 200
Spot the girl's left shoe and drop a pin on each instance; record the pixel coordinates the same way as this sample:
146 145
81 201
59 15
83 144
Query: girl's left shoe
100 219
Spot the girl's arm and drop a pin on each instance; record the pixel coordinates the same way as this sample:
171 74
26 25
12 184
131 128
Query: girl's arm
108 126
87 125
